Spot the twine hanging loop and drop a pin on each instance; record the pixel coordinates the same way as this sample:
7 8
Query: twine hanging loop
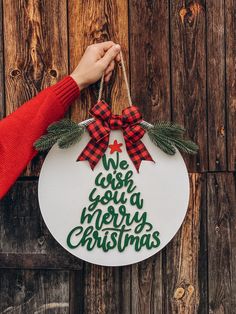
125 78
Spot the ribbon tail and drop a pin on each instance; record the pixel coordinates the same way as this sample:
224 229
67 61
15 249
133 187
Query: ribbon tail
137 152
94 151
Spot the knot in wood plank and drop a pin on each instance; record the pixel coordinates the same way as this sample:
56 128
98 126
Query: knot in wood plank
186 291
15 72
191 289
179 293
190 12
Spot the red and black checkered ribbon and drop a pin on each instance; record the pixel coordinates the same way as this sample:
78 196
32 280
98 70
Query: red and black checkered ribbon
101 127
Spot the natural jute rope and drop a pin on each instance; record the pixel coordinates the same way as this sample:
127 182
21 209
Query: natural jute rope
125 78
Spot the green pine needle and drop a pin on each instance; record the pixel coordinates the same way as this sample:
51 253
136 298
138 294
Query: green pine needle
168 136
162 142
71 138
169 128
62 126
45 142
65 132
186 146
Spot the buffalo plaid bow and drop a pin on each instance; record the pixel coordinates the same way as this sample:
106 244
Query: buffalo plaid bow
100 128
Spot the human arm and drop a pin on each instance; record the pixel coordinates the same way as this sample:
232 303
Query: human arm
19 130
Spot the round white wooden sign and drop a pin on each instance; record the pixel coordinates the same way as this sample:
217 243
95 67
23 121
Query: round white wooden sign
113 215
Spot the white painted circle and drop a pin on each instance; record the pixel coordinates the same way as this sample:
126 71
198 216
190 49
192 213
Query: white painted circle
64 187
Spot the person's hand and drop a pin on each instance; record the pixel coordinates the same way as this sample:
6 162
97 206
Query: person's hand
98 58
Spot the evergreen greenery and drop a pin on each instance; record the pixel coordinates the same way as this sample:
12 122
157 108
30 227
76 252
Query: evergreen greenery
64 132
168 136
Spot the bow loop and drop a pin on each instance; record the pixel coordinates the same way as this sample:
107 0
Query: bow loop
101 110
132 115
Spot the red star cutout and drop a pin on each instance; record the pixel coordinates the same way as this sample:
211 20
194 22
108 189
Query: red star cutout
115 147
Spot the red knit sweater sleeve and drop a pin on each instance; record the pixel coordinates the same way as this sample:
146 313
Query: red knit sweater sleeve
22 128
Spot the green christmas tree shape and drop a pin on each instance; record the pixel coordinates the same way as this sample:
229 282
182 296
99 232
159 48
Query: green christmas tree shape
115 217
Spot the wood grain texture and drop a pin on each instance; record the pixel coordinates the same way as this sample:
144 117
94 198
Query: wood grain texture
2 103
216 85
149 61
93 22
188 68
35 52
147 292
33 247
34 58
150 88
221 242
185 263
102 289
77 298
230 38
27 291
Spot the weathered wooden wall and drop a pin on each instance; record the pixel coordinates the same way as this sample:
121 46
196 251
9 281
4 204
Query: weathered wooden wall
182 59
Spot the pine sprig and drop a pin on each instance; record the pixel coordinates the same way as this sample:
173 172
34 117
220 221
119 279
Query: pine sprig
65 132
168 136
70 138
45 142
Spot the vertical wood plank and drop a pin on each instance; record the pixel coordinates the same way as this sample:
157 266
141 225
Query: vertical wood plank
91 22
102 289
25 291
126 290
105 289
149 58
35 47
221 242
57 294
147 293
188 59
2 107
216 85
36 57
77 296
185 263
230 27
